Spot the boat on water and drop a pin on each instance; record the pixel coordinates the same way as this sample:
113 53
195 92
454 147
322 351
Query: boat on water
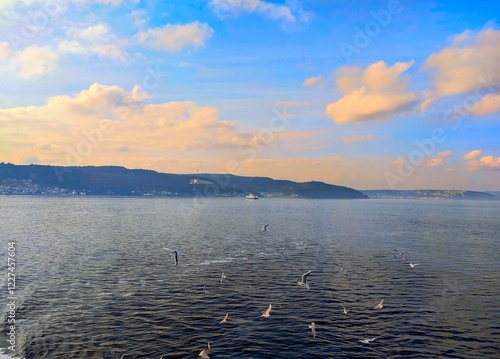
251 196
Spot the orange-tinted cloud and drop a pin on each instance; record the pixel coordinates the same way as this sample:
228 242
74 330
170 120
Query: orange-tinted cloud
176 37
475 162
313 81
376 93
357 138
469 64
438 160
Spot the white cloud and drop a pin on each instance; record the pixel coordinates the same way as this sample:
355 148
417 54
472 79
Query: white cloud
35 61
265 8
5 50
176 37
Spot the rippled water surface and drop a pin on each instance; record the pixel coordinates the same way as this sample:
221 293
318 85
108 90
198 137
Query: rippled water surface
94 279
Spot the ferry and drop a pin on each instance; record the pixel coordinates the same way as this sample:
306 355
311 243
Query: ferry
251 196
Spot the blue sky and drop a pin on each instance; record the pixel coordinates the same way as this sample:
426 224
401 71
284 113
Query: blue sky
366 94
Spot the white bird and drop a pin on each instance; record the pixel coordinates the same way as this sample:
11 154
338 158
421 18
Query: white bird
367 341
303 281
222 277
204 353
379 305
267 313
413 265
345 310
312 326
224 320
176 257
265 227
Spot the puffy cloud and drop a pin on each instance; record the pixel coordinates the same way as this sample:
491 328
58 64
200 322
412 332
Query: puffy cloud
313 81
373 94
485 106
235 7
472 155
95 39
35 61
95 125
438 160
475 162
176 37
466 64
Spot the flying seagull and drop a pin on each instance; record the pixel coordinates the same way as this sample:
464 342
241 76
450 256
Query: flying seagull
176 258
265 227
224 320
267 314
345 310
342 269
379 305
312 326
413 265
303 281
204 353
367 341
222 277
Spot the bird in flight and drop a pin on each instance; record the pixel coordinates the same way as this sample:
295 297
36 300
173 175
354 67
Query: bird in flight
224 320
267 313
367 341
312 326
222 277
303 281
265 227
204 353
176 257
379 305
345 310
413 265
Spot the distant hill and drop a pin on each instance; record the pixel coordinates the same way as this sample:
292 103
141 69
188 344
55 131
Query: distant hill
115 180
428 194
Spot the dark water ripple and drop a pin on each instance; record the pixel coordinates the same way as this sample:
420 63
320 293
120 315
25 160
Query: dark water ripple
94 279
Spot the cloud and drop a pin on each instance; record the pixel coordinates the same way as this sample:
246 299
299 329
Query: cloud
376 93
94 124
176 37
357 138
93 40
313 81
35 61
267 9
5 50
486 105
472 155
475 162
438 160
466 64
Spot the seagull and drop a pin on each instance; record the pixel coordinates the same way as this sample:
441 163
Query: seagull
176 257
224 320
267 314
303 281
379 305
204 353
312 326
367 341
265 227
345 310
222 277
413 265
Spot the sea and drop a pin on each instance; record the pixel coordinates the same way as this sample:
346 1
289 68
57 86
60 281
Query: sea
95 278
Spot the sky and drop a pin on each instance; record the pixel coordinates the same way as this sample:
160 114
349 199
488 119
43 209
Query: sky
365 94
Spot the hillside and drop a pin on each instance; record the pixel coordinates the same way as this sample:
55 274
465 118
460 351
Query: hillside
115 180
428 194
